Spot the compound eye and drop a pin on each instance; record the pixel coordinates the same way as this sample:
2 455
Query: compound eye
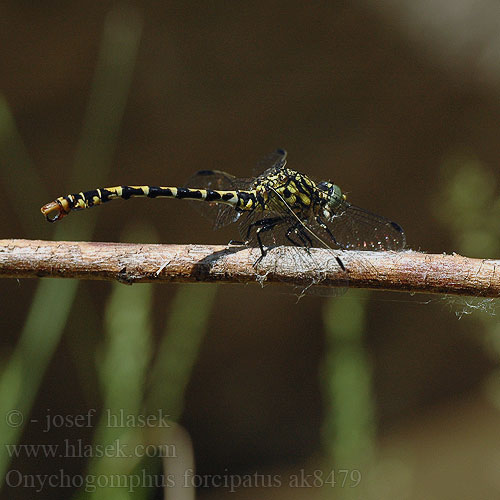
335 196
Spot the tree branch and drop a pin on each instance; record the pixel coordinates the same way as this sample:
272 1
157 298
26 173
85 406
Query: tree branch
136 263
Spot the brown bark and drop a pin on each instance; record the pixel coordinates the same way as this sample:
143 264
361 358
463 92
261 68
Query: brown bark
136 263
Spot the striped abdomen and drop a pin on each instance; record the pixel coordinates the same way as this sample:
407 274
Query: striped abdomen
57 209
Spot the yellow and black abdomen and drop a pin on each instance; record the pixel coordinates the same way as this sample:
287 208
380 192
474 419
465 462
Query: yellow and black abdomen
60 207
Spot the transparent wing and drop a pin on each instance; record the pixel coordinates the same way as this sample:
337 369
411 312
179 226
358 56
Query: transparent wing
221 215
272 225
285 230
270 163
358 229
216 179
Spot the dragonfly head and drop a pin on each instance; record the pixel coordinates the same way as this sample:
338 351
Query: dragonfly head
334 197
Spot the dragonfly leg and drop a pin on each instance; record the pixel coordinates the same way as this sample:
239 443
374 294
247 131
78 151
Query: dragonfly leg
321 222
323 225
304 238
262 226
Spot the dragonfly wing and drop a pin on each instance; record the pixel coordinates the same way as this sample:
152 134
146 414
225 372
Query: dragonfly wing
270 163
220 214
358 229
269 225
281 228
217 179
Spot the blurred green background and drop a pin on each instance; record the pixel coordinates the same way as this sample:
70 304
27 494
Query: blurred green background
396 102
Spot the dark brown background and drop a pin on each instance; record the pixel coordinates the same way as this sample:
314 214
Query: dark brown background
355 97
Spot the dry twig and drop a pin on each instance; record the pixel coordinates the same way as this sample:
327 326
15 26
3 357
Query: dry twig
135 263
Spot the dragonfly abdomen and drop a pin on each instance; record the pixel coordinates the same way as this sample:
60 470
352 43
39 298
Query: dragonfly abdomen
60 207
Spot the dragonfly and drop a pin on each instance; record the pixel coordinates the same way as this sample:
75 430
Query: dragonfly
280 206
